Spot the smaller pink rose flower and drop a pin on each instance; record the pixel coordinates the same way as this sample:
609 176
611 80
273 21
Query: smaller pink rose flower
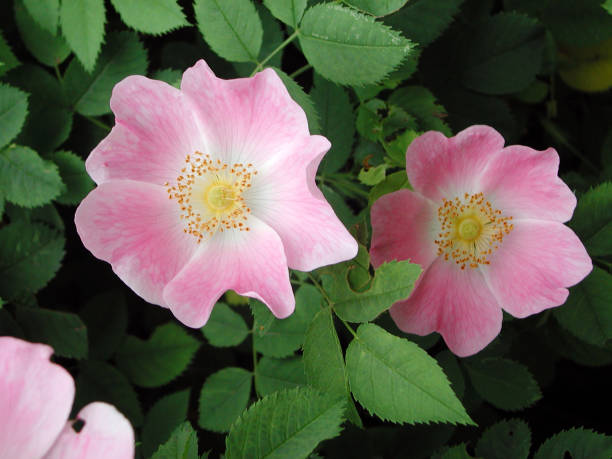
35 400
209 188
486 224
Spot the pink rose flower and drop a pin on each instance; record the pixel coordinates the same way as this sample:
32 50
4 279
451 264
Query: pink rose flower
35 400
486 224
209 188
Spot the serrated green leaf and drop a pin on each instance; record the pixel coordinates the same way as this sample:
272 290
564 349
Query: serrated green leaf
579 443
48 48
63 331
583 23
76 180
162 420
396 380
373 175
348 47
30 255
225 327
158 360
592 220
89 93
377 7
273 374
421 103
306 416
225 395
232 28
45 13
587 313
161 16
369 119
46 215
106 318
13 112
303 100
183 444
82 24
101 382
26 178
503 383
505 439
7 58
288 11
285 336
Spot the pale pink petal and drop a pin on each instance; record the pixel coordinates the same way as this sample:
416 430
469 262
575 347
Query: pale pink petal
438 167
105 434
286 197
156 127
252 263
534 264
403 229
250 120
456 303
137 229
35 398
524 183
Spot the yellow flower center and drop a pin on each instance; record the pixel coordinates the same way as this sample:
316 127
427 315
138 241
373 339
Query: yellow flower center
210 195
470 230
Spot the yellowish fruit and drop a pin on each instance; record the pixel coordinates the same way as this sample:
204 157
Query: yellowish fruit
587 69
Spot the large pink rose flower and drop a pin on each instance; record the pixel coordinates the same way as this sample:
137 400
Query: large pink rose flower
209 188
486 224
35 400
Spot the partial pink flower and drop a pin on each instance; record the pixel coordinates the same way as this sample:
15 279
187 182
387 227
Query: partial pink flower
35 400
486 224
209 188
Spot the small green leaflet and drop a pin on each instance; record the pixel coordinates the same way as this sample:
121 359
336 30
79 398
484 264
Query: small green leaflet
273 374
45 13
421 103
505 439
7 58
307 416
13 112
151 16
183 444
288 11
583 23
592 220
162 419
579 443
225 327
377 7
76 180
83 26
373 175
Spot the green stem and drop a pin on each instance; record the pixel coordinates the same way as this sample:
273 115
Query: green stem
58 74
97 122
301 70
289 39
321 289
348 327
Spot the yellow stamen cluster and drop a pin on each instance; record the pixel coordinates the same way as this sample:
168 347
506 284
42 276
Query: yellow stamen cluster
470 230
209 193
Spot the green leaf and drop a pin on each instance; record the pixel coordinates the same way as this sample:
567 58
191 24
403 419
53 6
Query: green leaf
101 382
27 179
162 419
392 282
592 220
158 360
225 395
273 374
391 183
45 13
398 381
183 444
303 100
7 58
13 112
106 318
288 11
587 313
232 28
505 439
225 327
161 16
63 331
377 7
421 103
306 416
579 443
285 336
89 93
75 177
369 119
30 255
579 24
48 48
503 383
337 122
348 47
170 76
373 175
83 26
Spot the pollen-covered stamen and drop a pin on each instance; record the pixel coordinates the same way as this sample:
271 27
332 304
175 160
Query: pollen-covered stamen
210 195
470 230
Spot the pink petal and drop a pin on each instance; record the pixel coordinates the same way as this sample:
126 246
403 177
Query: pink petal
137 229
251 120
156 127
252 263
402 229
106 434
35 398
438 167
456 303
524 183
287 199
534 264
